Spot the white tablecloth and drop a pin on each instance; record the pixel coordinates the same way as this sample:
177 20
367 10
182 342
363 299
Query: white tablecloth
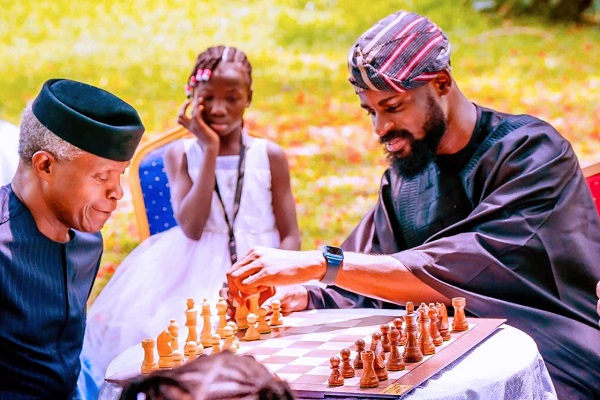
506 365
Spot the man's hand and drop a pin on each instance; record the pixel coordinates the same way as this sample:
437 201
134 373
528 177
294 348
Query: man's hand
293 298
264 267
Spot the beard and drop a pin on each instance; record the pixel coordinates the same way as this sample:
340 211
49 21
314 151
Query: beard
422 151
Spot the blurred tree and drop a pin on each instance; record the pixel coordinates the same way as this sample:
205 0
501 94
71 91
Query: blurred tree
563 10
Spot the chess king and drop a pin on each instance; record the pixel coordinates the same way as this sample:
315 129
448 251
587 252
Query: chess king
476 203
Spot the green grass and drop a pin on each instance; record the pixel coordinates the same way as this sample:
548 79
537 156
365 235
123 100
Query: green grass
142 50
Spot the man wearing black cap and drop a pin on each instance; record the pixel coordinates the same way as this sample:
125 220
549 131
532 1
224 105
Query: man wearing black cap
75 142
476 204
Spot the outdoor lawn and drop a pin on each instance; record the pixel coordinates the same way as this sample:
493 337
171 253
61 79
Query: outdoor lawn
143 51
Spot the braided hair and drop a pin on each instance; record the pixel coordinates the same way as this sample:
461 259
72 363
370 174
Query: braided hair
211 377
209 59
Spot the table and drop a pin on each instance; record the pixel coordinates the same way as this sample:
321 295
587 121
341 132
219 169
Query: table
505 364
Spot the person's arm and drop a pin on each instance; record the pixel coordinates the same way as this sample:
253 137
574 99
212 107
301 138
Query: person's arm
379 276
190 199
598 304
284 206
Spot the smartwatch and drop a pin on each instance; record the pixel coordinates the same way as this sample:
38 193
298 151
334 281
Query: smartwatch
334 256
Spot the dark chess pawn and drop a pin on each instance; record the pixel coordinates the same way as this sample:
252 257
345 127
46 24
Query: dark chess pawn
433 326
425 340
369 377
385 340
379 363
336 378
443 325
360 347
412 351
394 362
346 369
398 324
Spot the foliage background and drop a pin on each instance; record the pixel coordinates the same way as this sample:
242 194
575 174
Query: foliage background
143 50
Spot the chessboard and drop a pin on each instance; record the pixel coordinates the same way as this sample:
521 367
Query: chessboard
299 352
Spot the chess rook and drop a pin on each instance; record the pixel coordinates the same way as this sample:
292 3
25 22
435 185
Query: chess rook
369 377
148 365
459 323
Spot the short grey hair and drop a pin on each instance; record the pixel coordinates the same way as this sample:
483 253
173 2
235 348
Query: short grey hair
36 137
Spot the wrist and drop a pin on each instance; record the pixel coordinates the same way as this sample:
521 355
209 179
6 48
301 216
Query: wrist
334 258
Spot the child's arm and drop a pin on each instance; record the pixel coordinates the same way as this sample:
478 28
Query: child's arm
284 205
191 201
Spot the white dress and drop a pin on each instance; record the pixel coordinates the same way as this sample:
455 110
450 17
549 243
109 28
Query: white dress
152 284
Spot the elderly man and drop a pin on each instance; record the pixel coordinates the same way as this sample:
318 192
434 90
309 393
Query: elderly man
476 203
75 142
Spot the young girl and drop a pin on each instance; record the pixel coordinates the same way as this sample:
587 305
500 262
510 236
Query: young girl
229 192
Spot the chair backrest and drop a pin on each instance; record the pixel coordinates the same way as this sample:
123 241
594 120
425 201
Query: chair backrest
149 185
592 176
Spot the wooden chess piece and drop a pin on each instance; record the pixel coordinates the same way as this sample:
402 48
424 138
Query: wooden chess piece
459 323
398 325
425 341
443 325
215 342
276 315
228 344
394 362
336 378
360 347
252 333
433 326
385 340
253 303
236 341
241 312
410 307
190 350
164 345
369 377
190 321
412 351
378 363
148 365
177 358
263 325
222 313
206 328
174 331
346 369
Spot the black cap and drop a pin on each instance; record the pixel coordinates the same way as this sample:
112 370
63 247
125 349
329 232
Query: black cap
89 118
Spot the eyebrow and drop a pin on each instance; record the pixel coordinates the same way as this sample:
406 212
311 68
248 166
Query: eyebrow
382 102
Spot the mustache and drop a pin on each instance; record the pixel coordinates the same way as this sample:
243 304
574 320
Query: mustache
391 135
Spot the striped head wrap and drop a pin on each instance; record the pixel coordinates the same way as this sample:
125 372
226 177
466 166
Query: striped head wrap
400 52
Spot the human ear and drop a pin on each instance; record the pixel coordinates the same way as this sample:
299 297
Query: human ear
442 82
42 164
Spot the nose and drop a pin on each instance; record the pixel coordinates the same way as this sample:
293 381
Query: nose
116 191
382 125
218 108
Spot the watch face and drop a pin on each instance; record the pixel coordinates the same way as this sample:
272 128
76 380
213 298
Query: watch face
333 250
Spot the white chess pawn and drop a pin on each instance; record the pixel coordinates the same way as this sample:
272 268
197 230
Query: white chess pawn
263 325
215 340
236 341
190 350
276 316
228 344
252 332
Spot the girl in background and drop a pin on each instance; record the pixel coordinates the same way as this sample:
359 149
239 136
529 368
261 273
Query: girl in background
229 191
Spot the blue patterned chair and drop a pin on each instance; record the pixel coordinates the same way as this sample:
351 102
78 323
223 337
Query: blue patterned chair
149 185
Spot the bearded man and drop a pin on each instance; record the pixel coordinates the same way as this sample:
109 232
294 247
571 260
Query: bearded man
476 203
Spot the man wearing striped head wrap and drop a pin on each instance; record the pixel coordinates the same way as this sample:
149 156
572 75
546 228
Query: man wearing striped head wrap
476 203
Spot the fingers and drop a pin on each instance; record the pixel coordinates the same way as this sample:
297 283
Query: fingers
181 116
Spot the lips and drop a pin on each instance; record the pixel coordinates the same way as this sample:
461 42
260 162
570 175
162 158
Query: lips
218 127
396 145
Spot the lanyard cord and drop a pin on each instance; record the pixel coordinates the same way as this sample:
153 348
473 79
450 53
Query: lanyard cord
236 200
